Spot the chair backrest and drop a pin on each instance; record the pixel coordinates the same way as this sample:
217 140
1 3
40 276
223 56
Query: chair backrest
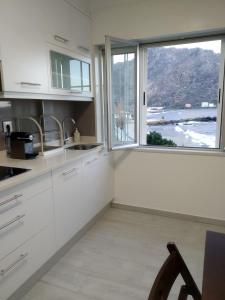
172 267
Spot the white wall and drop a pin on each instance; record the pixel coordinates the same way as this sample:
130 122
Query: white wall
188 184
148 18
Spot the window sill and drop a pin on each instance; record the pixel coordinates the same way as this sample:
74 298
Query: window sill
184 151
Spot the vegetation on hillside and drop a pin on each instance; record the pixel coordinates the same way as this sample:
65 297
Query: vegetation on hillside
154 138
180 76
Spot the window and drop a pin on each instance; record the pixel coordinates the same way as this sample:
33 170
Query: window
123 94
182 85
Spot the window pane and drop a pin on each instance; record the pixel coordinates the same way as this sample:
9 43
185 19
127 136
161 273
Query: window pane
86 77
75 73
124 98
182 95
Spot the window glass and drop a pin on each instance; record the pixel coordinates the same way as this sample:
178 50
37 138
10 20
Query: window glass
182 95
86 77
124 98
75 71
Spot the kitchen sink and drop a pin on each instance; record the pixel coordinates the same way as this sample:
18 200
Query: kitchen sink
83 147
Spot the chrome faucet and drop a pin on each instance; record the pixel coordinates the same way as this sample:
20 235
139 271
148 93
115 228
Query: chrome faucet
59 124
63 127
40 131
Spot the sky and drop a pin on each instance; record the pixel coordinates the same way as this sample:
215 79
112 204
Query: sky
215 46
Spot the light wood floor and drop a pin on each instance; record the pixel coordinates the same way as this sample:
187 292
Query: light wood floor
119 257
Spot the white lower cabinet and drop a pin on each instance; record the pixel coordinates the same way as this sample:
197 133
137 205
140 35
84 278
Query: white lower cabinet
81 190
98 174
68 189
26 232
41 216
18 266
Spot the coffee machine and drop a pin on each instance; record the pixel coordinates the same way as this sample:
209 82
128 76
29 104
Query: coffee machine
20 145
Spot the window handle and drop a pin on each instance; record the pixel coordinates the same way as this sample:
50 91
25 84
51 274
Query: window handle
144 102
219 94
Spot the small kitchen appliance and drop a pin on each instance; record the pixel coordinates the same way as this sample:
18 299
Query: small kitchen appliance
20 145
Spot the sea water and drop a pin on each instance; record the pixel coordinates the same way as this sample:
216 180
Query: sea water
187 134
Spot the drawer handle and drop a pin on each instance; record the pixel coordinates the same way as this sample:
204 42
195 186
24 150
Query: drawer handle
21 258
16 219
75 91
91 161
70 171
15 197
60 39
30 83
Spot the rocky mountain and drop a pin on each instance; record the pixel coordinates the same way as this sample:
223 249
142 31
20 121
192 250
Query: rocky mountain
180 76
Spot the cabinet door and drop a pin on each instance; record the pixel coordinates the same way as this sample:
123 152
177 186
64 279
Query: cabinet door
68 189
107 178
23 51
69 73
67 27
99 177
22 263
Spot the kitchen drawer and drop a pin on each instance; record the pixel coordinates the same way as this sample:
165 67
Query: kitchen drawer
17 267
23 221
91 160
67 172
16 195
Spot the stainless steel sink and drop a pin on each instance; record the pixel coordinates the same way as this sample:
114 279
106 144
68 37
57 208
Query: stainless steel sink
83 147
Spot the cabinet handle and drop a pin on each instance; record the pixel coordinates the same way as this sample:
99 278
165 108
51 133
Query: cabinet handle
85 49
70 171
61 39
30 83
15 197
3 272
16 219
75 91
91 161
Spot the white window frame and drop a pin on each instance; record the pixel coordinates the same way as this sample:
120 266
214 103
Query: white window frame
143 106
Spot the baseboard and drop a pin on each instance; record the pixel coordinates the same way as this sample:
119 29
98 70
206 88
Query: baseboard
21 291
170 214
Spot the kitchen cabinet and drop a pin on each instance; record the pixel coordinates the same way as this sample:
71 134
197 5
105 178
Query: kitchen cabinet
26 222
70 74
81 190
69 188
98 174
23 53
31 29
20 264
67 27
48 211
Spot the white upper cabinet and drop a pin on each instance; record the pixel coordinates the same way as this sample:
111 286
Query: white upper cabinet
22 51
29 30
67 27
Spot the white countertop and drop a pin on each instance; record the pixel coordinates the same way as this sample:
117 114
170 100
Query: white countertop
40 165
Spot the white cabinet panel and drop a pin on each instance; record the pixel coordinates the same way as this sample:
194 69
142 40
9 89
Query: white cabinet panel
23 221
65 22
70 215
23 52
17 267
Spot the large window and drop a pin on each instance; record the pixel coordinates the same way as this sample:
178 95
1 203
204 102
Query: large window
182 84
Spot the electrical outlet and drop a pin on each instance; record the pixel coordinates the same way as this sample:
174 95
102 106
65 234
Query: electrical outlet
6 125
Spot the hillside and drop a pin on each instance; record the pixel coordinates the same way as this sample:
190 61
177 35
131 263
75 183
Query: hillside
179 76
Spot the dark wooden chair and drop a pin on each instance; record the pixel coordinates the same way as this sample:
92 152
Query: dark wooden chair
172 267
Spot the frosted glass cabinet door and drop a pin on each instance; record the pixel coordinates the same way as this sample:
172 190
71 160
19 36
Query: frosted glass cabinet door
69 73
